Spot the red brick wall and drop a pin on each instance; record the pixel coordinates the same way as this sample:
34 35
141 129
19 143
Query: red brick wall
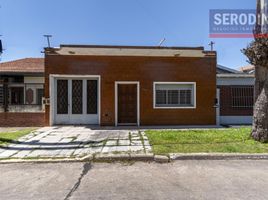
22 119
226 108
146 70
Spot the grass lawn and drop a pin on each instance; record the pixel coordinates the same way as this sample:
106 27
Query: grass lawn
8 137
232 140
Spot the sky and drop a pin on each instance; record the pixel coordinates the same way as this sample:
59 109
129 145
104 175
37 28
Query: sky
115 22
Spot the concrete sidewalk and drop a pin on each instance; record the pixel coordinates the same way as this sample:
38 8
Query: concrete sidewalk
75 142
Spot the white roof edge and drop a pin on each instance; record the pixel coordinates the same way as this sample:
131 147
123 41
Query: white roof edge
228 69
132 51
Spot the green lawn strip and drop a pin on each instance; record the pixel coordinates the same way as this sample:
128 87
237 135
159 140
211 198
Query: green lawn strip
9 137
233 140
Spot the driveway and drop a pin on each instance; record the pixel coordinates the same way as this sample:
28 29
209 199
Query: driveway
179 180
78 141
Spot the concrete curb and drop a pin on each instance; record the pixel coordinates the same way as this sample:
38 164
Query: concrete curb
123 157
48 160
88 158
111 157
143 158
63 160
217 156
161 159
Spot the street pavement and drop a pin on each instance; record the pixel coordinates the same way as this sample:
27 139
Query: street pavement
203 179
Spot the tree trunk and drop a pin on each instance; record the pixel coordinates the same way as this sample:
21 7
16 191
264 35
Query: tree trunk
257 53
260 118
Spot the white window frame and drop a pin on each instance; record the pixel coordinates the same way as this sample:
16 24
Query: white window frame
176 83
52 93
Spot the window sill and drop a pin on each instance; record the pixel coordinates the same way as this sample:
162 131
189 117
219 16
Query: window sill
168 108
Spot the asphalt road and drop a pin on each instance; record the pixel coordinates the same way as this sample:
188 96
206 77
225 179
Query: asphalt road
179 180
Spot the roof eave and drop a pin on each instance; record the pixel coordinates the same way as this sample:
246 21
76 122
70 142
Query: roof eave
235 76
127 47
22 73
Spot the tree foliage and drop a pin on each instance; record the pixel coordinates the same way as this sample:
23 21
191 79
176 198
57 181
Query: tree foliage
257 52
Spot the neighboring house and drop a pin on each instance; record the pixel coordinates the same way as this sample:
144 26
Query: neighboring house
21 92
249 69
127 85
236 92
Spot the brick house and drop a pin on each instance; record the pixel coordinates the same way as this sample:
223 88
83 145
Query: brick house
236 96
249 69
22 83
128 85
21 92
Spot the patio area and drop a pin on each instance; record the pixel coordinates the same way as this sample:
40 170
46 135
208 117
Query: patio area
76 142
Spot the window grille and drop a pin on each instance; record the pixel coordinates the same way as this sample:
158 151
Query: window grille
92 97
174 95
62 96
242 97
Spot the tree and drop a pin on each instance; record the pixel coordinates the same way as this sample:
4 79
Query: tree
257 53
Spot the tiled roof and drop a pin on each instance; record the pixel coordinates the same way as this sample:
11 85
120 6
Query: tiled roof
26 65
247 68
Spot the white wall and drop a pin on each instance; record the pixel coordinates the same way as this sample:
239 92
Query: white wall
235 81
34 80
236 120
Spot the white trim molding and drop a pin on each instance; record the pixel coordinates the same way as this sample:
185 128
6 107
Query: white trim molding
228 81
116 100
175 83
236 120
52 89
218 92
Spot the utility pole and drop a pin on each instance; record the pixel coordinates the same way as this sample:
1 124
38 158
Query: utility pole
161 42
1 46
48 40
262 24
211 44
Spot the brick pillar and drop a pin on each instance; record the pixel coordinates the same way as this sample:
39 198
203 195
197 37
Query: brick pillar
5 94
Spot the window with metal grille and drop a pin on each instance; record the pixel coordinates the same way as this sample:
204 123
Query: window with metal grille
169 95
173 96
92 96
62 96
77 96
242 97
17 95
39 96
161 97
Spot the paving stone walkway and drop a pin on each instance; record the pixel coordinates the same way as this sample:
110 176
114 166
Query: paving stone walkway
72 142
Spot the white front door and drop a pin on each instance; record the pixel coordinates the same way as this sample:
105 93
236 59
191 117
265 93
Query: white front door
76 101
